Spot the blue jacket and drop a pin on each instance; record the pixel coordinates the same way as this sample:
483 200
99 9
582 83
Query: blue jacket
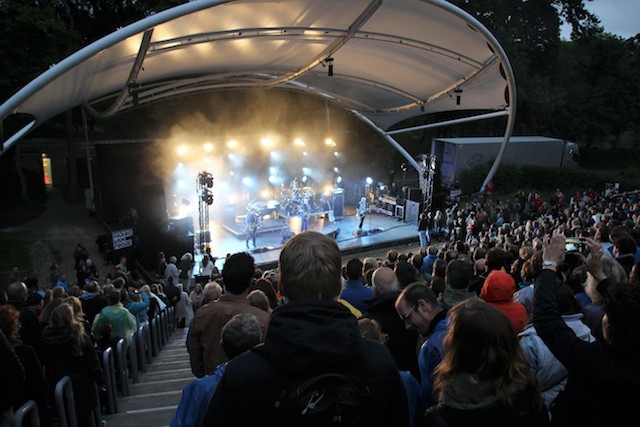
139 309
195 399
356 293
430 356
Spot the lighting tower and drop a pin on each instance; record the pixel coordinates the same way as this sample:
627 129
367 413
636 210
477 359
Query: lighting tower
427 173
205 199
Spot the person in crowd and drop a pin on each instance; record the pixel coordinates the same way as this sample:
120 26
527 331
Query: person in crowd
196 296
401 342
594 310
35 385
122 322
205 351
257 298
354 291
457 277
183 315
186 270
30 330
93 301
162 265
391 258
438 281
68 351
549 372
171 270
139 305
418 308
13 379
498 291
603 385
484 378
206 267
266 286
428 261
308 335
172 292
624 250
371 330
424 227
239 334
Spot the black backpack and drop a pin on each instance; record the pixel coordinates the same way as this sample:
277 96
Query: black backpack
327 399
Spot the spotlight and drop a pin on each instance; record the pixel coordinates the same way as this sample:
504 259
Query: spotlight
305 179
207 197
369 181
339 179
458 93
205 179
329 62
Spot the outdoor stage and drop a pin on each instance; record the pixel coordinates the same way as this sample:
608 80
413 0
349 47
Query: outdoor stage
379 230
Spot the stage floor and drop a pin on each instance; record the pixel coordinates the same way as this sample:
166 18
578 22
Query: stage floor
379 230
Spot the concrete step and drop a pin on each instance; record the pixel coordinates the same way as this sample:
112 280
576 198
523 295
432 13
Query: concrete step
150 400
174 357
142 417
160 385
166 375
168 366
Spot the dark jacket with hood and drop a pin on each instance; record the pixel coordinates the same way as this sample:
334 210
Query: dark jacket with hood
59 360
306 338
402 342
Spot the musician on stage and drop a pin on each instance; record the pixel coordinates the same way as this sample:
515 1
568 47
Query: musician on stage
252 222
362 211
305 213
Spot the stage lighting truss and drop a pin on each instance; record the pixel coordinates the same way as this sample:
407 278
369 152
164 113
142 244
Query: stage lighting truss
427 172
205 196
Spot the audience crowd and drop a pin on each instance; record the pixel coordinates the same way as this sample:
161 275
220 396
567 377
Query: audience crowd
518 312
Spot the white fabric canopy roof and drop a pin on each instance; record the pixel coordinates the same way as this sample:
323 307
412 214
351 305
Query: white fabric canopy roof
392 60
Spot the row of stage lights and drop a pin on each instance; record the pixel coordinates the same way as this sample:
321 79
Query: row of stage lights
265 142
205 181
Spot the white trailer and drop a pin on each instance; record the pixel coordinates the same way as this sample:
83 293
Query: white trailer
456 154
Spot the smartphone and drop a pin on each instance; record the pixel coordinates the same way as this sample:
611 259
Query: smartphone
575 244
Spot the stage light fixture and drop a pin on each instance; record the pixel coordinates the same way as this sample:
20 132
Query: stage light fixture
329 62
458 93
207 197
369 181
339 179
305 179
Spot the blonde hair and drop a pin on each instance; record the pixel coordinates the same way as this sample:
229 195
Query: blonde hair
63 316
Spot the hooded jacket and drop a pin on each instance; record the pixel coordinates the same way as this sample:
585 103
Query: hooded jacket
84 369
305 338
550 373
498 290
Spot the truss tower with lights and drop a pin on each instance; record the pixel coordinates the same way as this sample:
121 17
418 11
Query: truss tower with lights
205 199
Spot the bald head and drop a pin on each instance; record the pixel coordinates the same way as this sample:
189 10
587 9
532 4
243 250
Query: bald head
17 291
384 280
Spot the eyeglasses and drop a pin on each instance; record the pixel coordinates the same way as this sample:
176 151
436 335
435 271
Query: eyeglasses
408 315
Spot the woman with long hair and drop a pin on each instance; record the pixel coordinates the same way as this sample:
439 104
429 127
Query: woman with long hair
484 378
68 350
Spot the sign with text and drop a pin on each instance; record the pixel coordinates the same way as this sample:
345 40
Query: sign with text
122 238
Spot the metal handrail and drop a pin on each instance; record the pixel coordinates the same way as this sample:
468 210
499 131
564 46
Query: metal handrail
133 356
121 355
65 403
142 346
108 366
29 408
155 341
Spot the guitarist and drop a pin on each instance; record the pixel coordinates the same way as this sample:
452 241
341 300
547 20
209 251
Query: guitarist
362 211
252 223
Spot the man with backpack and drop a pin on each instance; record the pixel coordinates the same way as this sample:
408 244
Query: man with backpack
314 367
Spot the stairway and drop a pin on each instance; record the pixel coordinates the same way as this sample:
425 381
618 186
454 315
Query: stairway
153 400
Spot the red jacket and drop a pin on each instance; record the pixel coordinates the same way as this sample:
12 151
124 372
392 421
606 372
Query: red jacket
498 290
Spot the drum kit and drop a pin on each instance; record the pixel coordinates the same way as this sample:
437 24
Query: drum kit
295 197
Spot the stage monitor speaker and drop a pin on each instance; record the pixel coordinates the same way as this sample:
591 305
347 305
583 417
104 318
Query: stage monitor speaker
411 212
338 205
